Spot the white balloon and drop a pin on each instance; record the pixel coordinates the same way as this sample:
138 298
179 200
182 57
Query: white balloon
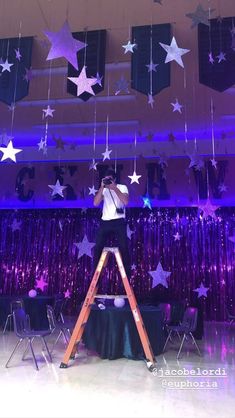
32 293
119 302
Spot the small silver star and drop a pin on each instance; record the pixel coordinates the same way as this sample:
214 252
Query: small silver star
214 162
106 154
176 106
93 165
6 66
135 177
57 188
92 190
151 66
223 188
18 54
211 59
150 100
177 236
48 111
221 57
129 47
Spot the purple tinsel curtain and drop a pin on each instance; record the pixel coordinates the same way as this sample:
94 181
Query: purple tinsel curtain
40 243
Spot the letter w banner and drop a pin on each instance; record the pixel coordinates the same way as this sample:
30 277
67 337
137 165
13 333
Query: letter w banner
147 39
93 57
14 84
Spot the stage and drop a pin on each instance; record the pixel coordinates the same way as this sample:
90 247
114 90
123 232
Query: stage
92 387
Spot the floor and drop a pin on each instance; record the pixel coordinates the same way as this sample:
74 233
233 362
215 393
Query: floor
92 387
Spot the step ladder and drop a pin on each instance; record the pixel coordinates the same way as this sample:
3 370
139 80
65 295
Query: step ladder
86 308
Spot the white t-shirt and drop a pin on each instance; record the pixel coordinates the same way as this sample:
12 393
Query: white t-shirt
109 209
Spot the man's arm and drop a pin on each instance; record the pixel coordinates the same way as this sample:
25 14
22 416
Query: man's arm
99 195
124 197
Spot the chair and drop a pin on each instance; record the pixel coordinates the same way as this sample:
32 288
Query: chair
59 308
166 315
23 332
17 303
55 324
186 328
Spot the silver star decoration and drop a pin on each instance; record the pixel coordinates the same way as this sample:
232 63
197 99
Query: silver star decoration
84 247
147 202
129 231
208 210
223 188
196 161
150 100
214 162
41 145
199 16
129 47
12 107
16 225
176 106
211 59
202 290
151 66
221 57
159 276
9 152
135 177
92 190
48 112
6 66
122 85
83 82
18 54
28 74
174 53
98 79
57 188
177 236
93 165
106 154
40 284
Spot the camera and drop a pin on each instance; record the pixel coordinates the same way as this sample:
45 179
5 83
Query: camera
120 211
107 181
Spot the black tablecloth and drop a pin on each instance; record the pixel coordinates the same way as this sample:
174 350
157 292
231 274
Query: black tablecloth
112 332
34 307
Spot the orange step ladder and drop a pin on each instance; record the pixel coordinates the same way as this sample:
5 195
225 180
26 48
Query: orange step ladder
86 308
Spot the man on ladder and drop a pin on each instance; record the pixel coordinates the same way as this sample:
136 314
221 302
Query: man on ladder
115 197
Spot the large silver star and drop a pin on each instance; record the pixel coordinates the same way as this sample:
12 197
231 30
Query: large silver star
57 188
83 82
174 53
48 111
208 210
9 152
135 177
199 16
64 45
6 66
92 190
159 276
202 290
129 47
84 247
106 154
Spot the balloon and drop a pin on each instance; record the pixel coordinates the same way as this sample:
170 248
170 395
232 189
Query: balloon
32 293
119 302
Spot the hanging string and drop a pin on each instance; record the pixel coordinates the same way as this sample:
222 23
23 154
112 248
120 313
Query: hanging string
135 154
151 59
185 110
15 81
94 132
212 128
107 132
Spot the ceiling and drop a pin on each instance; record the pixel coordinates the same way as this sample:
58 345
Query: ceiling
73 119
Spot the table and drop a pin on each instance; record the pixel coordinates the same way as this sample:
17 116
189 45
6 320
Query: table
112 332
34 307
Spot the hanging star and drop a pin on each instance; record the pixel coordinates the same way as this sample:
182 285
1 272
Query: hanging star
84 247
202 290
64 45
12 107
195 161
199 16
150 100
98 79
150 136
214 162
171 137
147 202
135 177
223 188
67 294
106 154
159 276
6 66
129 47
57 188
41 145
210 57
122 85
176 106
133 266
59 142
15 226
40 284
83 82
129 232
208 210
151 66
48 112
18 54
9 152
174 53
93 165
28 74
177 236
61 225
221 57
92 190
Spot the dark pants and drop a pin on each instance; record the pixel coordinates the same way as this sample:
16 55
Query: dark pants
117 227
